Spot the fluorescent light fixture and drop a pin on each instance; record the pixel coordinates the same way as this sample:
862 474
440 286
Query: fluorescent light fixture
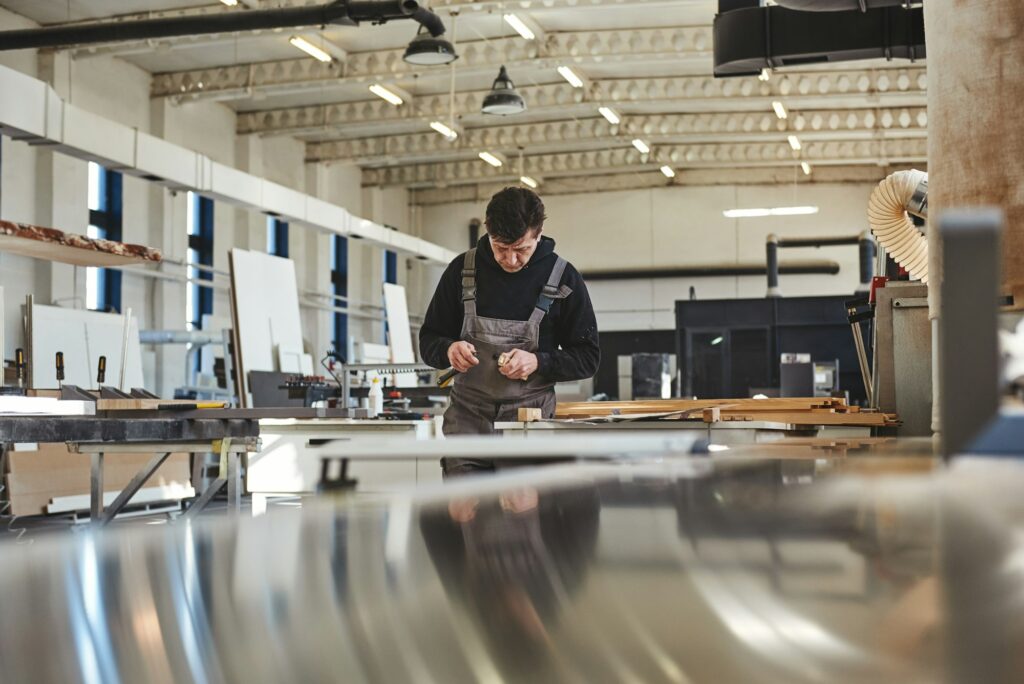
780 110
764 75
794 142
610 114
641 146
715 448
806 168
668 171
776 211
570 76
526 180
447 132
520 28
230 3
717 340
490 159
794 211
385 94
310 49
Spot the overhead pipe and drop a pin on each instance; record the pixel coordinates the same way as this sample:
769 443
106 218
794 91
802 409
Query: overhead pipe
342 12
837 5
822 267
865 245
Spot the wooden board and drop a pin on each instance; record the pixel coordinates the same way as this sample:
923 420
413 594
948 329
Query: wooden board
51 244
148 404
265 313
654 406
84 336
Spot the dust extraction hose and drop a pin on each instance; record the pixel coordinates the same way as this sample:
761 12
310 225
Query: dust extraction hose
900 193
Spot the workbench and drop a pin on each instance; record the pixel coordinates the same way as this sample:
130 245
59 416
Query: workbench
96 436
289 461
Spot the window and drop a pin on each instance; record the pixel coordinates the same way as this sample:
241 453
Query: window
277 237
390 276
102 285
199 297
339 286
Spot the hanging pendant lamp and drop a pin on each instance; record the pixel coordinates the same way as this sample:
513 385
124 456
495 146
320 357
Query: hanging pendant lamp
503 98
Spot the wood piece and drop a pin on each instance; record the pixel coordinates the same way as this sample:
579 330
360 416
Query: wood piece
605 408
530 415
146 404
51 244
712 415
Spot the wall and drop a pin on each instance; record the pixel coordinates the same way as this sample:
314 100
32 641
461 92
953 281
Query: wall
681 226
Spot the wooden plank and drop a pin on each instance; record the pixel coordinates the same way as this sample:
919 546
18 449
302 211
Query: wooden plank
606 408
151 404
51 244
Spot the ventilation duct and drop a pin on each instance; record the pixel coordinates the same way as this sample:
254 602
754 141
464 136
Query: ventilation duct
901 194
345 12
750 39
838 5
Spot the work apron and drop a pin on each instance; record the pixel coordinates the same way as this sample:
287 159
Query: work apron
482 395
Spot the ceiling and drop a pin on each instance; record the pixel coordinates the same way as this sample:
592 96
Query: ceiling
650 60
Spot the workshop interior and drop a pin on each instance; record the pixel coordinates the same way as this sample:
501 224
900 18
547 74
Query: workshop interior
270 411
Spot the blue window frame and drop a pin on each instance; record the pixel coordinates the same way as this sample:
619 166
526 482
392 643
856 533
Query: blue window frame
277 237
199 297
390 267
339 287
103 285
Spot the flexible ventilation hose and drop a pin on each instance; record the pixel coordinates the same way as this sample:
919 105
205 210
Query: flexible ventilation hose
901 192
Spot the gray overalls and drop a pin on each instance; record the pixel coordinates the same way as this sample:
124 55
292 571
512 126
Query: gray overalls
482 395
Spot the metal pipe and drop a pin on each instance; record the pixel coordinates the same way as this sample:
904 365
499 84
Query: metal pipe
866 249
823 267
343 12
825 241
194 337
771 248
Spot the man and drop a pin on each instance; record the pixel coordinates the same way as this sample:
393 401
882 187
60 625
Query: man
513 318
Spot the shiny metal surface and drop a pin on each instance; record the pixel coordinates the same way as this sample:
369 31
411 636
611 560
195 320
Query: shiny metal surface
790 570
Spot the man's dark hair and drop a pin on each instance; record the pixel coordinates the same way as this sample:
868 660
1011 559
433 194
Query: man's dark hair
512 212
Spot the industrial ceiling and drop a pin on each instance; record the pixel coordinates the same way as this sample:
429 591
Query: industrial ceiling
648 61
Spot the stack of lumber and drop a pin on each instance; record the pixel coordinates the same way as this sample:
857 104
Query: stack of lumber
792 411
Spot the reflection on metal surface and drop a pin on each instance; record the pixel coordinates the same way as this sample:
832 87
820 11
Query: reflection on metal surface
684 571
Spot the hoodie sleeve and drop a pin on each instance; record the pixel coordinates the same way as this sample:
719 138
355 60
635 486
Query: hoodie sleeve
579 351
442 323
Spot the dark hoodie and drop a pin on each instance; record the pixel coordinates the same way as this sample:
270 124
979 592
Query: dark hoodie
569 347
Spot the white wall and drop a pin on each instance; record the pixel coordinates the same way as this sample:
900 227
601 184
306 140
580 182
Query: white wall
681 226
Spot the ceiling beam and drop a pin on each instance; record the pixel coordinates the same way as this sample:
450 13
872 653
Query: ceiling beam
626 159
596 132
694 94
480 57
652 178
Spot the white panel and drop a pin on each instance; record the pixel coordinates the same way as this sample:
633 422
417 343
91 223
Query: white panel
83 336
399 333
169 162
266 308
369 230
326 215
98 137
23 105
235 186
54 115
403 242
283 201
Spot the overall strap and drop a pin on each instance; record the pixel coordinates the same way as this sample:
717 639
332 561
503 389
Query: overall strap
549 291
469 283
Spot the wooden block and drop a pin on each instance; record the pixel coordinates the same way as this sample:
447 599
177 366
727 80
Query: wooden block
712 415
530 415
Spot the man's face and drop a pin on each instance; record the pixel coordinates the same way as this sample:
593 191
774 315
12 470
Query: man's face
513 256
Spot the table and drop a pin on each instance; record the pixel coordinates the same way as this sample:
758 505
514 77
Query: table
724 432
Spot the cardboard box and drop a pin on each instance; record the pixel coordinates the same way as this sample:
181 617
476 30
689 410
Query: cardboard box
35 477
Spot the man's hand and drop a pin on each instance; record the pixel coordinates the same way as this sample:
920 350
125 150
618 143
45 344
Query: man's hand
462 356
519 365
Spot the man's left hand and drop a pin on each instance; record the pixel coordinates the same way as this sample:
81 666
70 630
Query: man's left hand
519 365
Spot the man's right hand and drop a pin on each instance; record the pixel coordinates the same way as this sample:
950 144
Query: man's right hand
462 356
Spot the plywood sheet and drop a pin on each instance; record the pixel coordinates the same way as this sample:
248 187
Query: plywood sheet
55 245
396 309
265 311
84 336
